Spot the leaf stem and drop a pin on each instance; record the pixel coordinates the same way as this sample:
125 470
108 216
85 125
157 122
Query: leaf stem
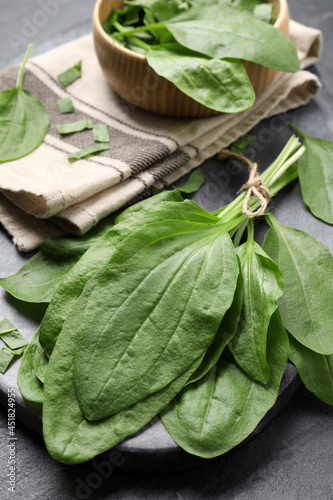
19 81
284 167
148 27
239 231
250 232
274 177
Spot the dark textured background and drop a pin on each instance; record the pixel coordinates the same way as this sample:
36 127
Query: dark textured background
292 458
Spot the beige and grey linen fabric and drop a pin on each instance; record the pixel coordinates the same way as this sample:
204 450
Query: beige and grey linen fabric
43 194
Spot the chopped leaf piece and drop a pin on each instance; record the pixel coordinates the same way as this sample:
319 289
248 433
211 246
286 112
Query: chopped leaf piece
70 128
65 105
84 153
19 351
11 336
6 357
70 75
101 133
194 182
6 326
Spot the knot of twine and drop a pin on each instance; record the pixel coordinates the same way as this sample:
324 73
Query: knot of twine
254 186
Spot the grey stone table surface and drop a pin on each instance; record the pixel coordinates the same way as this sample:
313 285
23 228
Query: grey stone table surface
292 458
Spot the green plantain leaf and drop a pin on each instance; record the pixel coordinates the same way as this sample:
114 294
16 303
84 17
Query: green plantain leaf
315 370
11 336
307 268
170 281
68 436
263 285
23 120
315 170
222 85
221 31
218 412
101 132
225 333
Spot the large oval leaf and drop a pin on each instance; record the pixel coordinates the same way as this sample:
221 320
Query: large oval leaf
68 436
222 85
221 31
307 268
23 123
153 314
213 415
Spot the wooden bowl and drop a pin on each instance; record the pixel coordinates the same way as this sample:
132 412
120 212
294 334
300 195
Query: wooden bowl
133 79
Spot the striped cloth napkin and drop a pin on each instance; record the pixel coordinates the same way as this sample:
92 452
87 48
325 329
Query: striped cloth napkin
43 194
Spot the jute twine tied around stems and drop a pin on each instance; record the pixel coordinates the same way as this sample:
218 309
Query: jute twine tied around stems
255 185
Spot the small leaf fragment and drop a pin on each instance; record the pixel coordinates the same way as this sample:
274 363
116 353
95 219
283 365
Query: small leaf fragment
84 153
101 132
71 128
6 357
70 75
65 105
11 336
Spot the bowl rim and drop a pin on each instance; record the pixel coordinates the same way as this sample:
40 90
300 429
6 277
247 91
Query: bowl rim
97 25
